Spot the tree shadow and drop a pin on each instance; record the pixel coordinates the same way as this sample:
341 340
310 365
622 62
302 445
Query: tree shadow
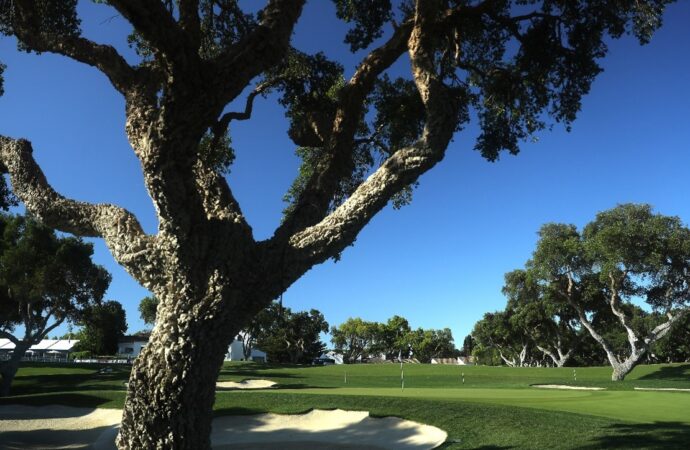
38 384
48 439
57 398
657 435
671 373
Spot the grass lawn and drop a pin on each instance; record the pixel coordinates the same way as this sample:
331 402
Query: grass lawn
494 408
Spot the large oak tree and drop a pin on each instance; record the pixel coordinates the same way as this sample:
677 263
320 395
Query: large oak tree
626 255
364 141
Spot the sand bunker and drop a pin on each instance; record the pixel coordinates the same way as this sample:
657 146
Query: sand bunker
53 427
565 386
662 389
246 384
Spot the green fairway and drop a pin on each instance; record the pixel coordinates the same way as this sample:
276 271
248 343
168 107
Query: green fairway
496 407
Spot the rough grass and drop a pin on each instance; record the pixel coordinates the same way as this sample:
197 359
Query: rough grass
495 408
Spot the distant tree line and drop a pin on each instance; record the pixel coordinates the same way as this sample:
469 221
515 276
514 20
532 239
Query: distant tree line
618 292
360 340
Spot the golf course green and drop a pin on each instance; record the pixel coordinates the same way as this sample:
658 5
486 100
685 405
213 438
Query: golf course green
479 407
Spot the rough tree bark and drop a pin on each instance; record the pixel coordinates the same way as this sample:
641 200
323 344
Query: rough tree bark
209 274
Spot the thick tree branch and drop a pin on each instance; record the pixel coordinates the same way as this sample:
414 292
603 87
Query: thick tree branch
7 335
40 336
221 127
103 57
614 303
158 27
121 231
334 233
263 48
315 199
662 329
190 20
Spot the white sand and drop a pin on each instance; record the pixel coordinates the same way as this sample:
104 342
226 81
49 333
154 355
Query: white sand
246 384
662 389
53 427
565 386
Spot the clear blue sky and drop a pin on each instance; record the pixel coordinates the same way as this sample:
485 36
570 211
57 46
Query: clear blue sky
438 262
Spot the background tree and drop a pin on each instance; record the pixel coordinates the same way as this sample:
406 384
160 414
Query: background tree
292 337
102 326
626 253
364 141
147 310
550 323
675 346
393 339
44 281
429 344
495 330
354 338
468 345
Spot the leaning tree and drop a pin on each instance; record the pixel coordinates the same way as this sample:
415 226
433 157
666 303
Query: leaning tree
627 255
364 141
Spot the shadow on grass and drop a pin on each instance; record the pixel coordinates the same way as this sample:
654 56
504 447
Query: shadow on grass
671 373
57 398
38 384
47 439
657 435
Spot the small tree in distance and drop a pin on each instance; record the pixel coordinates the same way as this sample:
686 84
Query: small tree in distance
550 323
44 281
102 325
147 310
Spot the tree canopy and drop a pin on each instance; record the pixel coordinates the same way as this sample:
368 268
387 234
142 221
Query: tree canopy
626 255
286 336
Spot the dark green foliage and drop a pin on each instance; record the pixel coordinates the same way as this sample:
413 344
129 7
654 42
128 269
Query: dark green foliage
223 24
399 114
44 280
46 274
309 87
217 152
429 344
286 336
354 339
50 16
393 338
147 309
468 345
675 347
2 79
368 18
103 324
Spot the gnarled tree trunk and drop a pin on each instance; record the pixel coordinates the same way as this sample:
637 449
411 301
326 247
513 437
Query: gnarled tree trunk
172 383
8 369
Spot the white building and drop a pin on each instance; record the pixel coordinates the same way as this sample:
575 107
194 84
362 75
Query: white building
46 349
236 353
131 346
